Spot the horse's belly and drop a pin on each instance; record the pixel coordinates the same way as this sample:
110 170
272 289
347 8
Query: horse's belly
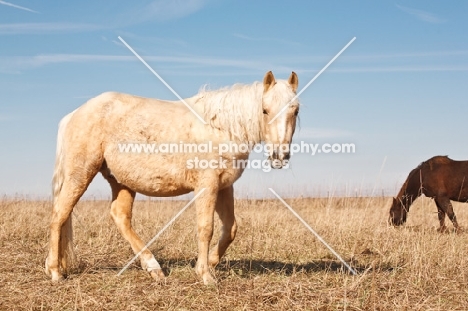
168 175
151 175
159 187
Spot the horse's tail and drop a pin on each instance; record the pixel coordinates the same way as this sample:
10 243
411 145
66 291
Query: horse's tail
66 234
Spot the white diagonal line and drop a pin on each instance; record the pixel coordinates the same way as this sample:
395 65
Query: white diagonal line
313 231
313 79
162 80
17 6
160 232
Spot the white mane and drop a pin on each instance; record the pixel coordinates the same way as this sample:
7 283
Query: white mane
236 110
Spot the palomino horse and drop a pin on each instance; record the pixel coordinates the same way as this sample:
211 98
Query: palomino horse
440 178
89 140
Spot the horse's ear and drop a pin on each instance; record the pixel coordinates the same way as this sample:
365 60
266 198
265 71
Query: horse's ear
293 81
268 81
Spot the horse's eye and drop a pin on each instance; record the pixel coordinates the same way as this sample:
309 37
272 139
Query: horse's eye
296 112
265 112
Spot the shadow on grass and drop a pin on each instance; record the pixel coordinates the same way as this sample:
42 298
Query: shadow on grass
262 267
247 267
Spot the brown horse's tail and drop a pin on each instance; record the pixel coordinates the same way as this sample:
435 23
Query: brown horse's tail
66 234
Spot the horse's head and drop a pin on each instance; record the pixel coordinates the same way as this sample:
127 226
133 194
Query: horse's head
398 212
280 110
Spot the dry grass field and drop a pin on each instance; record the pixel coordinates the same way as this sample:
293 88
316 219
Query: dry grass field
274 263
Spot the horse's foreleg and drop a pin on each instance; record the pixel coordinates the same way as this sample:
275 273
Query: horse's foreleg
205 206
121 212
441 216
225 210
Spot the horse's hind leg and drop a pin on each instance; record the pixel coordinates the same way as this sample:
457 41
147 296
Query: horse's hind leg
121 212
225 210
444 205
60 250
451 215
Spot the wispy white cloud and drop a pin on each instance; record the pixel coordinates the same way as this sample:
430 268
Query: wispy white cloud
45 28
265 39
117 42
219 65
17 6
164 10
421 15
17 63
419 61
152 39
310 61
402 55
422 68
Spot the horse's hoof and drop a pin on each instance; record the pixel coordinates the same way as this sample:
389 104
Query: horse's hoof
57 277
459 230
442 230
157 274
54 275
208 279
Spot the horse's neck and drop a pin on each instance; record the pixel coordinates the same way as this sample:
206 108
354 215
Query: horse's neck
232 111
411 188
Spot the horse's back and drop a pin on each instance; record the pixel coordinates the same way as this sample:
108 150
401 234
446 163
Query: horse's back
439 164
443 176
443 160
129 117
115 105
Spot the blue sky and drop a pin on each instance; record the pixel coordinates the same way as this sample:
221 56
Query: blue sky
399 92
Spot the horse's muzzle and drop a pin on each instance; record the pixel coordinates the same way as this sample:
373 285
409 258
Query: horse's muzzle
278 159
395 221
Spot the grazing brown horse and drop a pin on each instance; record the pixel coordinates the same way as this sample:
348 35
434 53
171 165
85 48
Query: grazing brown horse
440 178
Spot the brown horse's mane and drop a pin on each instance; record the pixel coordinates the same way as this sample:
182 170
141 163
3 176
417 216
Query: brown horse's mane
404 189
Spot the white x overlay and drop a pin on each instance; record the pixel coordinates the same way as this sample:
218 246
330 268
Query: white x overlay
201 191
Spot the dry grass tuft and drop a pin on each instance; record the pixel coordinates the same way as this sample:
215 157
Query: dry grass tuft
274 263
